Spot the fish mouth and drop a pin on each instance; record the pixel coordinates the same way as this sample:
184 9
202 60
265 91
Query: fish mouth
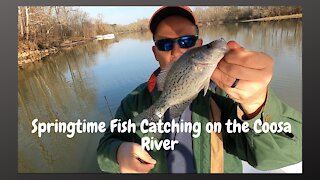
219 44
224 49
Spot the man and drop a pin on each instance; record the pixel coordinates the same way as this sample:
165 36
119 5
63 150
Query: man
243 75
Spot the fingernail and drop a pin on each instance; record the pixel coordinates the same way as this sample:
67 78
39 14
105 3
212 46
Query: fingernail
154 161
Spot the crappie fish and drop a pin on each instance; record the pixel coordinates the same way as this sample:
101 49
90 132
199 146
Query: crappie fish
183 79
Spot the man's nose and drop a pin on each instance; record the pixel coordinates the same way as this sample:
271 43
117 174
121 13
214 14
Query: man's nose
176 51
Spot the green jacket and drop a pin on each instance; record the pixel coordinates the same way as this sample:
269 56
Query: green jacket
264 151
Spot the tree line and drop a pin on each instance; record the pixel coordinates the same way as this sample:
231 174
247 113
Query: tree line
227 14
41 27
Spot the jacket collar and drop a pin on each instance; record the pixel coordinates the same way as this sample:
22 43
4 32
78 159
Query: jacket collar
152 82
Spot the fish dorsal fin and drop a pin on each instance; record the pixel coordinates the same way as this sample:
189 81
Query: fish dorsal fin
206 86
161 78
178 109
212 86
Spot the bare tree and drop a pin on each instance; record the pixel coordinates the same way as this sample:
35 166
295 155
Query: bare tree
20 22
27 22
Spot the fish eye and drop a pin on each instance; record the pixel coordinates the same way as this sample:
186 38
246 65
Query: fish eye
197 55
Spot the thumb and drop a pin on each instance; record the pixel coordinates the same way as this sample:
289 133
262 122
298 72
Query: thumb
234 45
144 156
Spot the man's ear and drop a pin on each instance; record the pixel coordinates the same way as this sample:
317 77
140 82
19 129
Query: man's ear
154 50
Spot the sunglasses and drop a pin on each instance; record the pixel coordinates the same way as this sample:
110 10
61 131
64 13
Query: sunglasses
183 41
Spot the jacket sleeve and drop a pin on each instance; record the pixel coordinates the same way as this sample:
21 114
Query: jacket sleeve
110 142
267 151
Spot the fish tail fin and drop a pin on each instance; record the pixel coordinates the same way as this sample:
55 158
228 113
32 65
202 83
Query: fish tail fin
147 114
152 114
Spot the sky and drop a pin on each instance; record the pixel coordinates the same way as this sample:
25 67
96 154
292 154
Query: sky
121 14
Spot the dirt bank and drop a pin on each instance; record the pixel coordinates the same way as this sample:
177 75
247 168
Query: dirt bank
30 54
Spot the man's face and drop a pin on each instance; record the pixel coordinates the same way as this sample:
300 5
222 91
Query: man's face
173 27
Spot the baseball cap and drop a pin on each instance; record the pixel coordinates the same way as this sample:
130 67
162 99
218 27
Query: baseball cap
167 11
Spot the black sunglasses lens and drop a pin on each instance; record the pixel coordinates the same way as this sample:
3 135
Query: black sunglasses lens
187 41
184 42
164 44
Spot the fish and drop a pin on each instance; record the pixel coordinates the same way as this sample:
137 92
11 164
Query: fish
182 80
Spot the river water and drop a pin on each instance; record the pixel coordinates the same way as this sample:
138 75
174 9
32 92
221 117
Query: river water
89 81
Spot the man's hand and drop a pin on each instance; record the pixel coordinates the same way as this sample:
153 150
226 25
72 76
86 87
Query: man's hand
254 71
133 159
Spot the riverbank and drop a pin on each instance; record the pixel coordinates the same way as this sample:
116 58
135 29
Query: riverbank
31 55
28 55
275 18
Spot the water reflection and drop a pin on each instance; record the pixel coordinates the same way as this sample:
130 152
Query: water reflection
72 85
260 36
58 88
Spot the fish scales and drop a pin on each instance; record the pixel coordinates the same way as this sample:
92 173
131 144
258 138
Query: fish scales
182 80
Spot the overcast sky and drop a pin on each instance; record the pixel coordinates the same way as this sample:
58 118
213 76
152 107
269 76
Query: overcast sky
121 14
